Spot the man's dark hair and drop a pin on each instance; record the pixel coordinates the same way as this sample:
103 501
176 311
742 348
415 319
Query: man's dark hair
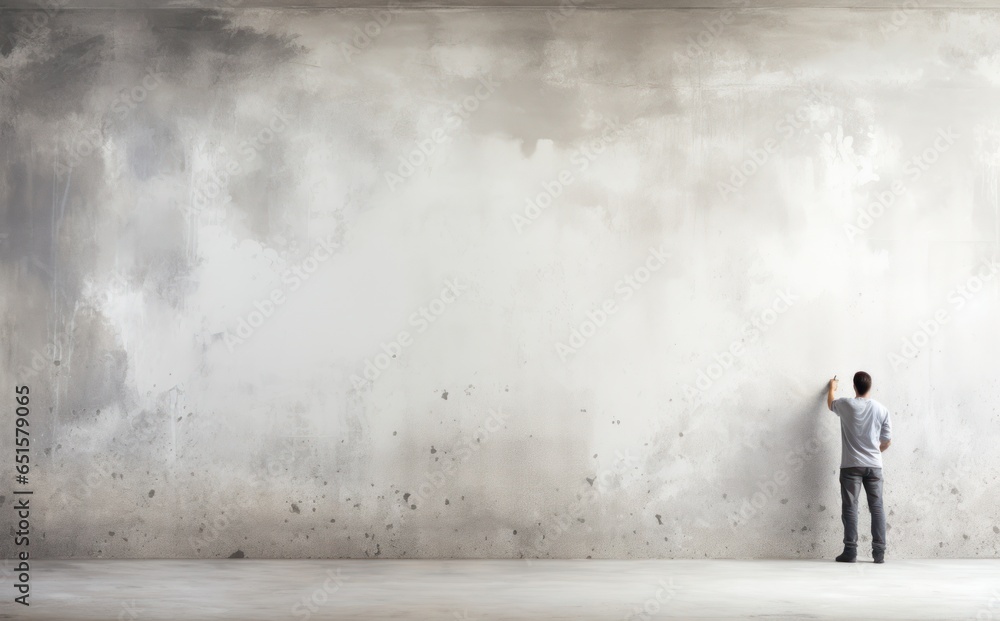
862 383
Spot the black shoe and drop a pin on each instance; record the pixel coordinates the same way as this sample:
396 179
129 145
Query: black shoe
879 556
849 556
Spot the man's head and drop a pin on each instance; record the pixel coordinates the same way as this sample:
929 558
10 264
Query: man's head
862 383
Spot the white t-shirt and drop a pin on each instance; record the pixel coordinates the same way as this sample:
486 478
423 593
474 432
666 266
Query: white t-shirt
864 423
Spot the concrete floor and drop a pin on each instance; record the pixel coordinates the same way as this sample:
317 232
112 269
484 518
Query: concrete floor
510 590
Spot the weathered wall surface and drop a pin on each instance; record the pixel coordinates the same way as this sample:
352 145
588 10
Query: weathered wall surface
497 283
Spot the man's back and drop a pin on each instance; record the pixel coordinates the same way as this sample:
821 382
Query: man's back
864 423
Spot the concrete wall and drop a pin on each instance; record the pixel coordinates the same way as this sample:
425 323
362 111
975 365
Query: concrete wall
497 283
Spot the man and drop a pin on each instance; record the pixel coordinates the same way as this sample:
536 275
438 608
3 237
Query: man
865 431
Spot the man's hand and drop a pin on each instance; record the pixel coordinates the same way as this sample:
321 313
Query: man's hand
884 445
829 393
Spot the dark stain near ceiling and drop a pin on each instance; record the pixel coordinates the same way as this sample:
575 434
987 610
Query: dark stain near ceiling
92 103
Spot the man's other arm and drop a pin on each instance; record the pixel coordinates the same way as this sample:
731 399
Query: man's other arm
885 436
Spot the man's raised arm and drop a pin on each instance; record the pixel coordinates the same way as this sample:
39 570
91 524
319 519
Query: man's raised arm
829 393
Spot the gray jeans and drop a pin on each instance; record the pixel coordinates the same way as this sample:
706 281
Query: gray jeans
851 480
